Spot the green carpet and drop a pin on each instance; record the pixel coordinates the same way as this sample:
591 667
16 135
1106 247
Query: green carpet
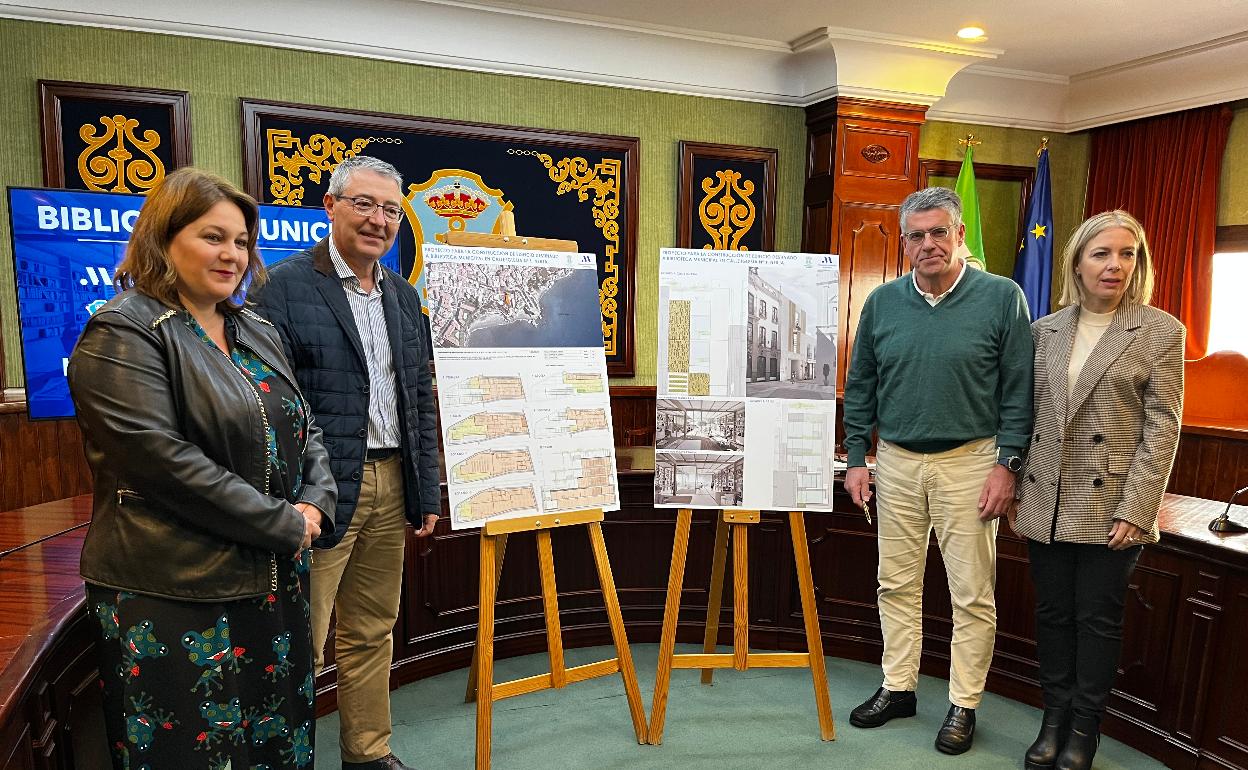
763 718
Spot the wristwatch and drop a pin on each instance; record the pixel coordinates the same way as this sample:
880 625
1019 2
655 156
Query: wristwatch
1012 463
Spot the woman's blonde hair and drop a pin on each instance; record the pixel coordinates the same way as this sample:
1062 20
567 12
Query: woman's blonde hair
1139 290
182 197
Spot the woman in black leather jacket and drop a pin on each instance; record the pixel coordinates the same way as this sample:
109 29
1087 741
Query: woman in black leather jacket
210 483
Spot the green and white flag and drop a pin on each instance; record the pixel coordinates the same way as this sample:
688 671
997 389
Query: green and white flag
965 188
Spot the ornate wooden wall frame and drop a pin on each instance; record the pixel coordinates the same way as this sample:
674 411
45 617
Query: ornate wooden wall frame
290 150
726 197
997 172
115 151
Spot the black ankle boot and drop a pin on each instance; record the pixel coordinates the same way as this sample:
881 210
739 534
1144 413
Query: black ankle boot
1053 727
1081 744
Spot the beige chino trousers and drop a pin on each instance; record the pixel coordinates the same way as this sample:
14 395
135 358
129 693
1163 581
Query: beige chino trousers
360 579
916 494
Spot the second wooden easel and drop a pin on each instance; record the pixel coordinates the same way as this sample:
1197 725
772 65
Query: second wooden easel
736 525
481 685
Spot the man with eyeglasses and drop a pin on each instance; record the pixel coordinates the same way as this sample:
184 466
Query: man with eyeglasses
356 335
941 367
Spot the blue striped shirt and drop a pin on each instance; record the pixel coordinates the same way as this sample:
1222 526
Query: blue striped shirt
370 321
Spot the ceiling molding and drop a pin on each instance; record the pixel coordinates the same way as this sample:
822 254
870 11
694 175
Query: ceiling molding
819 35
1165 56
1161 108
980 119
1002 72
606 22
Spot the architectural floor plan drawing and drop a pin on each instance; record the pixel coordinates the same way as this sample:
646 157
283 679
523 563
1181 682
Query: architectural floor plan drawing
795 442
492 464
525 419
496 501
583 383
484 426
569 421
485 389
572 481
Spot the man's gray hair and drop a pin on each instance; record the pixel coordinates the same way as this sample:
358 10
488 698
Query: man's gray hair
930 198
342 174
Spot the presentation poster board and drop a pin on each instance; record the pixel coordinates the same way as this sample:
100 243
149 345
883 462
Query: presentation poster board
746 412
522 383
67 246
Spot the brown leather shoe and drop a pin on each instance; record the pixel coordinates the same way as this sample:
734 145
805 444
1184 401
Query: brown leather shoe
958 731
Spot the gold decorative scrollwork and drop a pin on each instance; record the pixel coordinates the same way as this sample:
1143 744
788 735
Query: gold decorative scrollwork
289 155
602 181
728 217
118 166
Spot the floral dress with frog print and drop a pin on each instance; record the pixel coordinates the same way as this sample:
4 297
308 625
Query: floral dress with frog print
217 684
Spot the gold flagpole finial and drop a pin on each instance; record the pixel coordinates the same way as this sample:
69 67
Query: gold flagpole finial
969 141
1044 145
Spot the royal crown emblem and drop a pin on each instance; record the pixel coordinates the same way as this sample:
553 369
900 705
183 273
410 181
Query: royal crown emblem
456 200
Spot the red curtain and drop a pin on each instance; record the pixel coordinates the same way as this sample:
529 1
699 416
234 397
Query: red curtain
1165 171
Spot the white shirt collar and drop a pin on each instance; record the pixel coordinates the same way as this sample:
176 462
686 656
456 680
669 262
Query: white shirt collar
344 270
932 299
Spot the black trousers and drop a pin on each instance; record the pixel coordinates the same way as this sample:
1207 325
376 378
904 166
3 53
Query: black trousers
1080 592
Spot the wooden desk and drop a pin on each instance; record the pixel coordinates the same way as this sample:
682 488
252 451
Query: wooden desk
49 694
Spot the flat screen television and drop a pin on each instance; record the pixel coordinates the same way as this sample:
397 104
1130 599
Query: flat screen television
67 245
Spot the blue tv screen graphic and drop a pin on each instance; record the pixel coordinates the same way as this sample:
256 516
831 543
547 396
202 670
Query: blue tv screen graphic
66 247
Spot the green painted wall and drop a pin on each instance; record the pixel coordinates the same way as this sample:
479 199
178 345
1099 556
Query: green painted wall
1233 190
1068 169
217 74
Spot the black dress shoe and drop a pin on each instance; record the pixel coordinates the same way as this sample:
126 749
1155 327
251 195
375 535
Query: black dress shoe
1048 744
883 706
388 762
1081 744
958 731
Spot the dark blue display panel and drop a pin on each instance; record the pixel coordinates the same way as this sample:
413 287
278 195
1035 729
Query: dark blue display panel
66 246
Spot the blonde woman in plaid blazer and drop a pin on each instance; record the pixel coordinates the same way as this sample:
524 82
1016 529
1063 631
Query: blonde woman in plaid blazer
1108 398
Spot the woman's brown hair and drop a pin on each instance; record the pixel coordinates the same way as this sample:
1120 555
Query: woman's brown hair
182 197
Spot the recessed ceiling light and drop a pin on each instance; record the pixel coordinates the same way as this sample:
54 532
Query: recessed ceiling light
971 33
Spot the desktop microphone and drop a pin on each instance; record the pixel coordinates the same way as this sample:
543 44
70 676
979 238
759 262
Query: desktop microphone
1223 523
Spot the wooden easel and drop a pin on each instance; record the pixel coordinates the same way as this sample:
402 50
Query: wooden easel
737 525
481 685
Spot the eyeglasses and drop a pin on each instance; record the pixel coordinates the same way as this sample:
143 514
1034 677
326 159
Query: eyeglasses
365 208
916 237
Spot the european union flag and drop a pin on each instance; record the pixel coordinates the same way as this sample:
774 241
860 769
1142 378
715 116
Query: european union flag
1033 270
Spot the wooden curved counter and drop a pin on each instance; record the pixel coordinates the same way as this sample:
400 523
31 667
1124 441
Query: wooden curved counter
1180 696
49 691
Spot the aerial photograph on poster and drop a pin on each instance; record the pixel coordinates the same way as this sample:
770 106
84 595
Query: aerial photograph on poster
512 306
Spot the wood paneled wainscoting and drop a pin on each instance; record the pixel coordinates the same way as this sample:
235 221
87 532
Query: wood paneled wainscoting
1212 462
40 460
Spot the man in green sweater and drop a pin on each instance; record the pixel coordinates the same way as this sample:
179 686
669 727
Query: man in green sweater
942 367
